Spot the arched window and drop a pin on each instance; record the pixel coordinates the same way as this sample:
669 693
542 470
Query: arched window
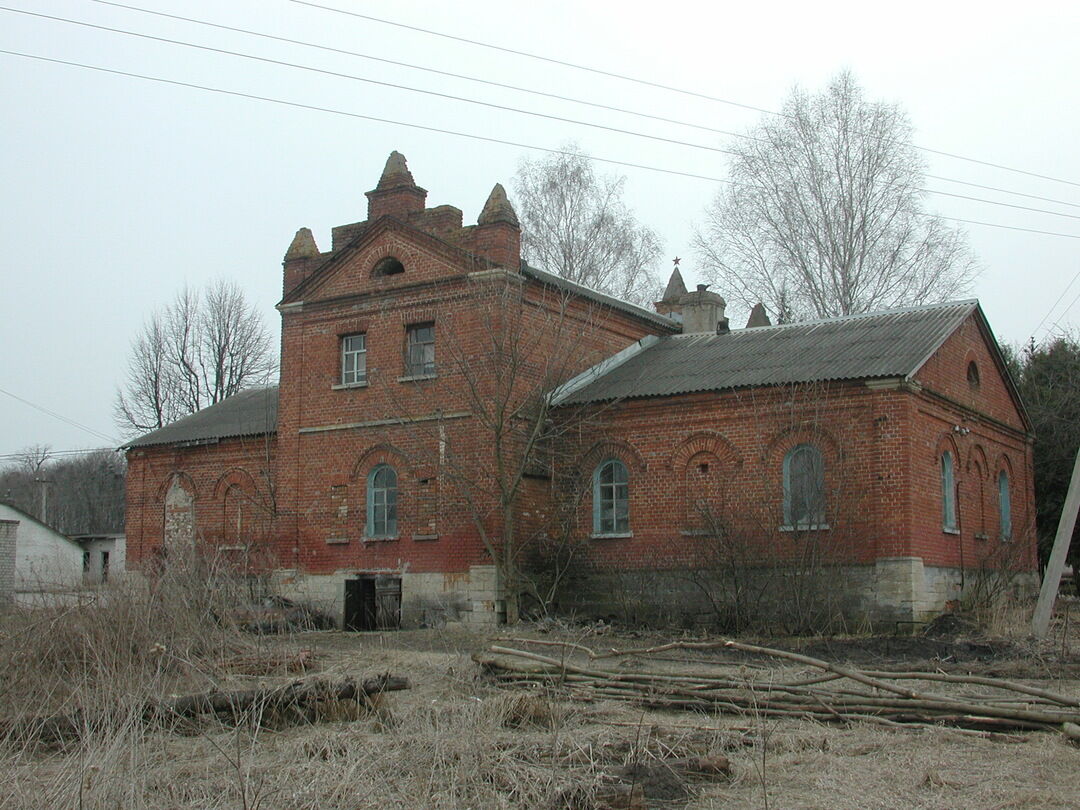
611 498
804 487
1004 505
382 502
948 493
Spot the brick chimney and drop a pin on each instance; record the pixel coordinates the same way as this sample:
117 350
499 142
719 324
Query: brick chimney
301 259
397 194
497 235
703 312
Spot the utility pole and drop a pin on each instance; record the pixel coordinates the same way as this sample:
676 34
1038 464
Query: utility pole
1052 576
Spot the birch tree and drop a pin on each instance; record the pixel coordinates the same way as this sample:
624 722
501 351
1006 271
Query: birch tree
824 214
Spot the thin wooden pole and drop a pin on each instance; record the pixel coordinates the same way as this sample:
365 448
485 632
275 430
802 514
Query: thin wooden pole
1052 577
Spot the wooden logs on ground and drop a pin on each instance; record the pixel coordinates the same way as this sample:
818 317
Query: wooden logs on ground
836 694
236 706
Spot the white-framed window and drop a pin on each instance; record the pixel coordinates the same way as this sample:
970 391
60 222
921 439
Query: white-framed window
804 488
611 498
1004 505
420 350
382 492
354 359
948 493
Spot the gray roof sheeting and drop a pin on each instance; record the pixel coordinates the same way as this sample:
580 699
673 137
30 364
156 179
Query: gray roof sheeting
895 343
249 413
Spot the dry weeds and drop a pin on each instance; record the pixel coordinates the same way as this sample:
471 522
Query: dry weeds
453 740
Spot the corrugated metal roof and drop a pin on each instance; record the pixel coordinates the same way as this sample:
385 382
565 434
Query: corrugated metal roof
881 344
249 413
601 298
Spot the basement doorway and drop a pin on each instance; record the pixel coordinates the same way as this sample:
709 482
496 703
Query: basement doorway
373 603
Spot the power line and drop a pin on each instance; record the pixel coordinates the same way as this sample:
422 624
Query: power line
520 89
442 131
644 82
438 72
58 453
462 99
354 77
1064 312
55 415
1058 301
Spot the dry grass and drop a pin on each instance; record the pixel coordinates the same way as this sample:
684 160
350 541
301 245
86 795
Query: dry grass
452 741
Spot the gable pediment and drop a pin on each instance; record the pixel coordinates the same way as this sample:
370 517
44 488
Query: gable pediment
352 270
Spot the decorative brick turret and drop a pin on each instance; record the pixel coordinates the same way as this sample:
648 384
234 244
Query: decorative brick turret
301 259
397 194
497 235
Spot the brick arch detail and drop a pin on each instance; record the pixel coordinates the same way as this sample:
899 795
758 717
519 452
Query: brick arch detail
183 478
946 441
610 448
235 477
790 437
705 441
977 460
382 453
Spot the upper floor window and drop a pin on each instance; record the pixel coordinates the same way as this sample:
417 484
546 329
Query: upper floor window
973 374
804 488
611 498
420 350
948 493
382 502
353 359
1004 505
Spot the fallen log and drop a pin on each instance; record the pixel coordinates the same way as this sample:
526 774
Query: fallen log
244 704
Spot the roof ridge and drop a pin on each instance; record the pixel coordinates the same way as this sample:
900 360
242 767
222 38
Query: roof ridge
635 309
840 318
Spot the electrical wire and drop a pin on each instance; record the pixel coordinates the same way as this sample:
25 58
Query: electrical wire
648 83
462 99
55 415
443 131
1054 305
520 89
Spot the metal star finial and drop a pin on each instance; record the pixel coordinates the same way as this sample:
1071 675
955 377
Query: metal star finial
676 261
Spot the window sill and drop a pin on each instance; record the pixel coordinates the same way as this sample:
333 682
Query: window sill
344 386
386 539
337 541
610 535
807 527
948 530
416 377
424 537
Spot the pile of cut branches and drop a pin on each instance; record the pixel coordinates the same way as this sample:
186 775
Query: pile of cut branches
827 692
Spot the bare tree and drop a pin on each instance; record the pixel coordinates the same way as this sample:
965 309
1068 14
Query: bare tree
200 349
496 466
824 214
575 224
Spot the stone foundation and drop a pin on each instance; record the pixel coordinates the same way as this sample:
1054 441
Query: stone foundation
427 599
893 594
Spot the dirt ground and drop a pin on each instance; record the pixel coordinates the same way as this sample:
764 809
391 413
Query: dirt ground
455 739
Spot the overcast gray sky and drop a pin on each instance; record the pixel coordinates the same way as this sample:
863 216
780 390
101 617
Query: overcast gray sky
118 191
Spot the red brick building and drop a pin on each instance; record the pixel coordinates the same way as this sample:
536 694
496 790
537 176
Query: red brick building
442 403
